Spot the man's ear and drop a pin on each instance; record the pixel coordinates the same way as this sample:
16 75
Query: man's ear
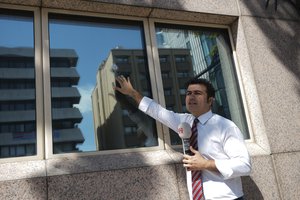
211 100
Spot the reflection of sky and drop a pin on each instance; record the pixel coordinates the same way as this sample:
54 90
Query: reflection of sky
92 44
10 35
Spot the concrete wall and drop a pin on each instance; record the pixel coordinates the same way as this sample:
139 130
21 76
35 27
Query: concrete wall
267 50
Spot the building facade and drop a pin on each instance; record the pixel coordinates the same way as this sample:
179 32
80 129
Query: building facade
65 133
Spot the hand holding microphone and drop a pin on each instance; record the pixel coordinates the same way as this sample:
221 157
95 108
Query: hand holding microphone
185 132
193 160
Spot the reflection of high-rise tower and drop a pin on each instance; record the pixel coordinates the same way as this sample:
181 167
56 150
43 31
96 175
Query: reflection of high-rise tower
65 117
105 109
117 116
118 123
17 101
176 69
185 40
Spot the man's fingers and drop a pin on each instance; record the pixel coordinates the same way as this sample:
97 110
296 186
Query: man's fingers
186 156
121 79
193 150
187 160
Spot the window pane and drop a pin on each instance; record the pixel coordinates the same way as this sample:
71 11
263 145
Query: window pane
199 52
17 84
85 56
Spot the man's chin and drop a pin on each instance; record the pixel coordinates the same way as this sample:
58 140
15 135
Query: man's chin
192 111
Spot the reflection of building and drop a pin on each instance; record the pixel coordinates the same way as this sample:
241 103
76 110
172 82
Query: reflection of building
176 70
17 101
118 117
105 110
186 40
117 121
65 117
204 57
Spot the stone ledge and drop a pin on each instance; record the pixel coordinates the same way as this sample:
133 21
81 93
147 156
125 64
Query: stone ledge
83 163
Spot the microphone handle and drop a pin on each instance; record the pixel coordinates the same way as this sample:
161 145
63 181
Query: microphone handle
186 146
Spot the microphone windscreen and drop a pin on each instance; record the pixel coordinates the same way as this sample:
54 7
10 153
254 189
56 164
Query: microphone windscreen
184 130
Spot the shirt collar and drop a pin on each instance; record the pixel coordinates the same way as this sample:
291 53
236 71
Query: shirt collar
205 117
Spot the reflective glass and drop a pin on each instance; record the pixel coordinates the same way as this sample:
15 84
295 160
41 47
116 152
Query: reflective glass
17 84
86 54
188 52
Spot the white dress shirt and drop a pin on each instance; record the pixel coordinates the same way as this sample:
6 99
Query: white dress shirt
219 139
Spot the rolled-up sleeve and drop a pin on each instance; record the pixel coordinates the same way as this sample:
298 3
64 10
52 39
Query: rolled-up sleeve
238 161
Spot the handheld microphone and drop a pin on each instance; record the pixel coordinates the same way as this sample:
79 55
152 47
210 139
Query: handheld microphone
185 132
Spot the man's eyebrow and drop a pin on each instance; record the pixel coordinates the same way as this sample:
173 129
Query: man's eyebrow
195 91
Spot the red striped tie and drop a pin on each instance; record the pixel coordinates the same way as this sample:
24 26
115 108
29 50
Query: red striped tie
196 175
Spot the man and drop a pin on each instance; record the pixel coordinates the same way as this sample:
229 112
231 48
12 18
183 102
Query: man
221 157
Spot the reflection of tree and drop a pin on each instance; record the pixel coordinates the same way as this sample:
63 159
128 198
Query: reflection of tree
214 54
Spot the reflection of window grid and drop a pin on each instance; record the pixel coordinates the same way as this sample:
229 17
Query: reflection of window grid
165 74
170 107
146 93
24 63
142 76
59 63
183 74
130 130
60 103
182 91
17 84
125 112
180 59
17 127
122 59
168 92
17 105
163 59
140 59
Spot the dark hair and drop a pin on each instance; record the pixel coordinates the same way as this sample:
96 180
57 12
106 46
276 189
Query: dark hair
210 90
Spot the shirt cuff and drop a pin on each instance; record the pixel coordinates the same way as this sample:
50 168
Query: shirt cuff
144 104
